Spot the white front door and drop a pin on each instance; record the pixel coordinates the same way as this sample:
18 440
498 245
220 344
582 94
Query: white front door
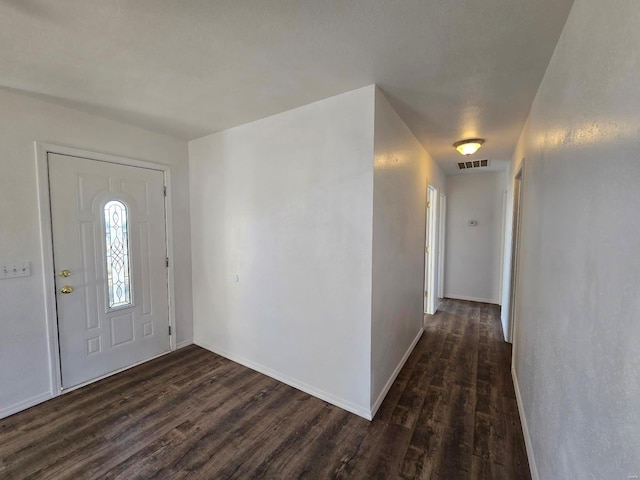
109 246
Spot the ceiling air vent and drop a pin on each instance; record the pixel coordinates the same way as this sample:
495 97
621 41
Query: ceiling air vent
473 164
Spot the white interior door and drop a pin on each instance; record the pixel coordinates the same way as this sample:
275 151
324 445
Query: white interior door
430 295
109 245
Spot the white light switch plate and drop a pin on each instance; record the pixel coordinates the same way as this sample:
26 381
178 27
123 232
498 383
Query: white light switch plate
13 270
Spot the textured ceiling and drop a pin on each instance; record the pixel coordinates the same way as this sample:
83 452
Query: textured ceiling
452 69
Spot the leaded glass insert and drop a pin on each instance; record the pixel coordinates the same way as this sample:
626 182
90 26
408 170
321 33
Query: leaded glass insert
117 239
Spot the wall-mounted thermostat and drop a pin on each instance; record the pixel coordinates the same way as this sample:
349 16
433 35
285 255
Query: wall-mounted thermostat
472 223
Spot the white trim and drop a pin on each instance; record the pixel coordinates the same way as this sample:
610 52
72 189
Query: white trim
48 274
184 343
430 284
327 397
169 236
525 428
433 243
472 299
516 241
42 149
442 231
394 375
23 405
503 238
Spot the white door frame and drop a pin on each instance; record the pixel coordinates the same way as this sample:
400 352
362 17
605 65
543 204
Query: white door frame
518 180
430 241
42 150
442 225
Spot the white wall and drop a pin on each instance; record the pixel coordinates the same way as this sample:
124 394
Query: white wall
285 203
577 355
24 357
401 169
473 253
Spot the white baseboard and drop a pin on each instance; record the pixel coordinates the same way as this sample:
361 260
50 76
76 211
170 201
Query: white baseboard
28 403
525 428
322 395
184 343
472 299
392 378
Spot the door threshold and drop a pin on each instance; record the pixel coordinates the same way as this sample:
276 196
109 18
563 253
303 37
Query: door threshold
64 390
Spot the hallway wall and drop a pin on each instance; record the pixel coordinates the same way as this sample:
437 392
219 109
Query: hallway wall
401 170
577 355
472 254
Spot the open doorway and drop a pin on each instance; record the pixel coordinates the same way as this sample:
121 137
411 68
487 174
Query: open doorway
430 294
515 247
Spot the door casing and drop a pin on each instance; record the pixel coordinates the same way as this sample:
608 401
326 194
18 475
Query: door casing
42 149
430 277
518 183
442 219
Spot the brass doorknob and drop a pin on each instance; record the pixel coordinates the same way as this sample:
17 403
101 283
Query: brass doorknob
65 273
66 289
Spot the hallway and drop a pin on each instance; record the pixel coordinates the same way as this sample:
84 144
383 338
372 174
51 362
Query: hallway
456 396
451 414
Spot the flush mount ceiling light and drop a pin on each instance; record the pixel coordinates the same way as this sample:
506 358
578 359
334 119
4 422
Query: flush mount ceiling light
469 146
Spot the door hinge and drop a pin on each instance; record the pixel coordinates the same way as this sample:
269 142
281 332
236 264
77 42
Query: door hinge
427 249
167 261
169 330
428 204
165 191
426 293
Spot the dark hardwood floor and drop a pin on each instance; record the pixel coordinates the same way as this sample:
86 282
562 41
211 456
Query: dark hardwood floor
451 414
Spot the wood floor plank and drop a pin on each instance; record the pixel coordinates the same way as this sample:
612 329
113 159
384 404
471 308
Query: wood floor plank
450 414
423 371
456 448
204 433
55 412
253 445
273 447
382 452
73 424
482 469
295 447
136 419
121 442
61 414
402 380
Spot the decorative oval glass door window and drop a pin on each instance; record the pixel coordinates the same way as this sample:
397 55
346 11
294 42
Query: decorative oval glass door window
117 241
